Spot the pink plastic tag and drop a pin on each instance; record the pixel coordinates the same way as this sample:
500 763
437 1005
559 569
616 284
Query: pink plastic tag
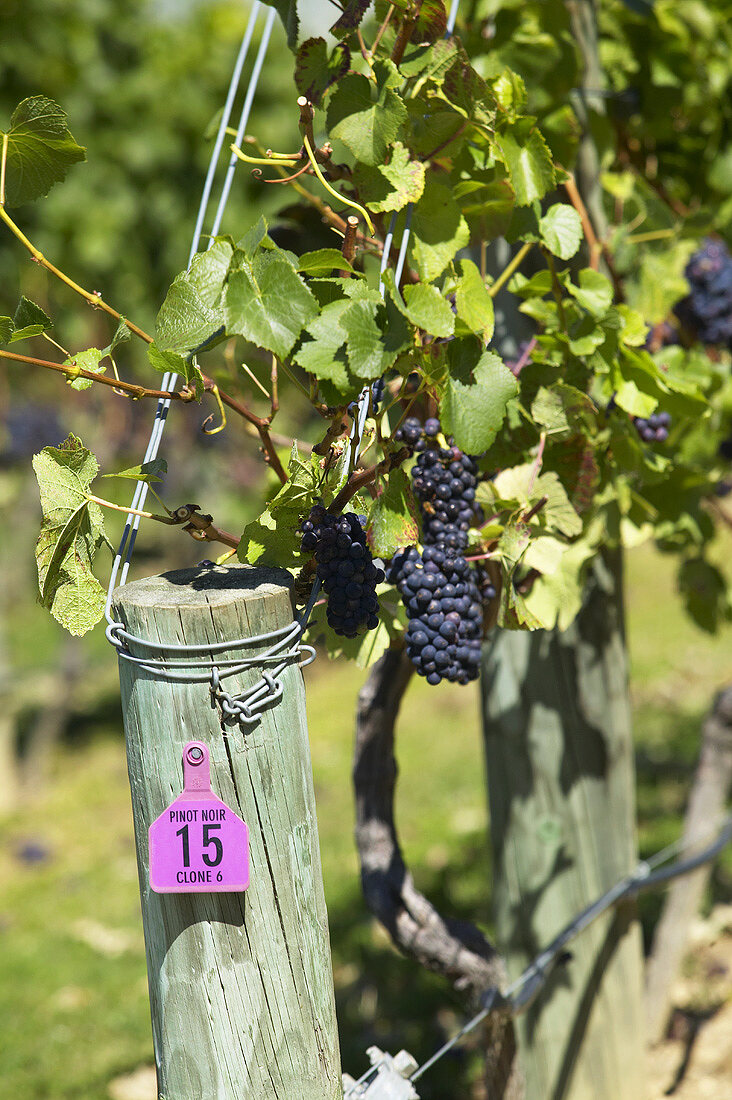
198 845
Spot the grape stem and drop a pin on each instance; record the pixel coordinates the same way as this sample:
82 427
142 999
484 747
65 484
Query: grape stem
537 462
359 479
97 302
130 389
509 269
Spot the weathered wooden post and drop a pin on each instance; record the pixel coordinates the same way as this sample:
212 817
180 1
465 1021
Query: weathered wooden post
559 757
241 986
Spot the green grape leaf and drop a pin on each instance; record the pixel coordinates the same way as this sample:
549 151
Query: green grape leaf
478 389
121 334
431 22
438 231
274 536
185 323
184 366
29 320
561 230
661 282
322 355
423 305
208 272
562 409
146 471
268 303
391 186
528 160
473 303
392 521
72 530
287 11
6 329
315 70
366 123
594 293
369 353
556 596
514 613
353 13
40 150
322 262
364 650
91 360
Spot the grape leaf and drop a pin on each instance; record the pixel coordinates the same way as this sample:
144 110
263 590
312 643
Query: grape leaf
367 123
121 334
184 322
287 11
369 354
528 160
323 261
85 360
478 389
29 320
391 186
274 536
40 150
431 21
72 529
321 356
561 230
393 522
171 361
594 293
146 471
423 305
268 303
315 71
438 231
556 596
6 329
473 303
353 13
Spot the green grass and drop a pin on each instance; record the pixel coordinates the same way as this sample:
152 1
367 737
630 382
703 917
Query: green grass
73 997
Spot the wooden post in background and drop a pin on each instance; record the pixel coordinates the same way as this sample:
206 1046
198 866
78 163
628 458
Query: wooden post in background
559 758
241 985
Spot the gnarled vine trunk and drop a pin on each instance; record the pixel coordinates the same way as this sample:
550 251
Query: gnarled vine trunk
455 949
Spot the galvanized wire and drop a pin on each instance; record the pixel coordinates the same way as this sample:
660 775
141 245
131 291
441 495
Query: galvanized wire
519 995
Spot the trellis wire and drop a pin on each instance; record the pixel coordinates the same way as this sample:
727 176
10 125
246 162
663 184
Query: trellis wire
126 547
286 642
524 989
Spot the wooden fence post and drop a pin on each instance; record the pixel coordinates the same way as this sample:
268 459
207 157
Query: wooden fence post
241 985
559 757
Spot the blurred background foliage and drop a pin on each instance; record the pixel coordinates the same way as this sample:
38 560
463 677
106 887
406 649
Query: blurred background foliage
141 83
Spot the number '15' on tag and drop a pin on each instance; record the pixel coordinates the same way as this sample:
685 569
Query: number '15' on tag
198 845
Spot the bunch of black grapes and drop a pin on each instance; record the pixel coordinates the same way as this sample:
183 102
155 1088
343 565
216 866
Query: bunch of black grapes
345 568
653 428
416 435
707 310
445 612
440 591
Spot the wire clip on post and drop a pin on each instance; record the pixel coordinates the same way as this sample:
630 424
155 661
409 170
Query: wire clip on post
390 1080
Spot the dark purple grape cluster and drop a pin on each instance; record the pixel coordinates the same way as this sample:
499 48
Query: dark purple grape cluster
653 428
345 568
707 310
416 435
377 393
445 613
444 482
